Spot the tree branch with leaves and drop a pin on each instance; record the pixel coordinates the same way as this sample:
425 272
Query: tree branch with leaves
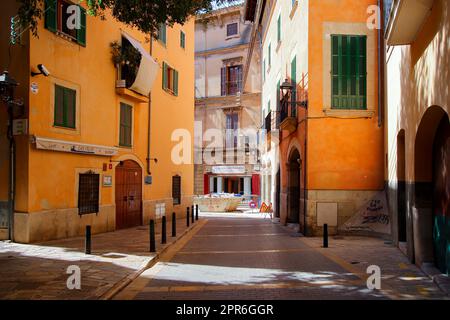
146 16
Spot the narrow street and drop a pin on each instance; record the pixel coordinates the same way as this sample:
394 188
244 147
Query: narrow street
253 258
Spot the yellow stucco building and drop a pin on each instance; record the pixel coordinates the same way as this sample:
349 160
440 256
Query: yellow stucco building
97 146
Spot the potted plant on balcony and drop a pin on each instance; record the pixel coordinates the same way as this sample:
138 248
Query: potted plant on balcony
127 60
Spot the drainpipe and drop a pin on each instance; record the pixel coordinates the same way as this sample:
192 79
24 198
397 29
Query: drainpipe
149 119
12 173
380 63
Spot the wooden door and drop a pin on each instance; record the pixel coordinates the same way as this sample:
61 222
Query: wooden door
128 195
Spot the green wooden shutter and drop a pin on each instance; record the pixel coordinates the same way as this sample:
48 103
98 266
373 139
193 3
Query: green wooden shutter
349 72
264 70
164 76
175 82
162 34
294 84
70 107
59 106
81 33
270 54
125 125
278 95
182 39
50 15
279 29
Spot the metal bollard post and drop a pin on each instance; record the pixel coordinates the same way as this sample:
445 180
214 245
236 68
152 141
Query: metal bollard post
193 216
163 230
88 243
152 236
187 216
196 212
325 235
174 224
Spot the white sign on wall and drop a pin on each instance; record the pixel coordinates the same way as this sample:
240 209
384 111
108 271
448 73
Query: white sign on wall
228 169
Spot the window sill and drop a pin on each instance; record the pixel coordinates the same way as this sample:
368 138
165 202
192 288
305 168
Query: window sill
169 91
236 36
293 10
353 114
63 127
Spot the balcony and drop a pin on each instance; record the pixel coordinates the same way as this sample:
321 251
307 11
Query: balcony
288 115
406 19
137 70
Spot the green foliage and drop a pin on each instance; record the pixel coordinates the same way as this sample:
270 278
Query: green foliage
128 59
144 15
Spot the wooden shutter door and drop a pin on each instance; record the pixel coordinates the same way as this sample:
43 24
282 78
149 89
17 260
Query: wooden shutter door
81 33
50 15
223 81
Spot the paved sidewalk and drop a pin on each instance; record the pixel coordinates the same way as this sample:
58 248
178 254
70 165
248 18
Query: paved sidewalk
399 278
38 271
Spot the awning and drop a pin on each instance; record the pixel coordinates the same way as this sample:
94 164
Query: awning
148 69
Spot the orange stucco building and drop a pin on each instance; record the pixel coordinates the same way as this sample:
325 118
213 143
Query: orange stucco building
329 160
87 156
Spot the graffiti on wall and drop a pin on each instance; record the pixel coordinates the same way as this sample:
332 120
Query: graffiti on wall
373 216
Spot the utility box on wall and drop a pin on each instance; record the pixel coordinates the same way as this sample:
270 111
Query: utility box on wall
327 214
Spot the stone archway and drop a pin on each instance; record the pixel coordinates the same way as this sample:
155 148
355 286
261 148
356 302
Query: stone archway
431 211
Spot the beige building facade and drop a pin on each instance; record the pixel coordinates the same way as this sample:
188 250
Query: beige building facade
227 90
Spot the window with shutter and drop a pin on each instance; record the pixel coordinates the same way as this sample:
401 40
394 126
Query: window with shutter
88 193
182 39
294 84
126 125
170 79
176 189
65 107
57 16
348 72
279 28
162 33
223 81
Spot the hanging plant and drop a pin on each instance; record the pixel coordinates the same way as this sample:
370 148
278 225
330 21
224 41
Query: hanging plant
127 60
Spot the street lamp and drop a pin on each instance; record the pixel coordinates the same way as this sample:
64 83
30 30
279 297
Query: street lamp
7 85
286 87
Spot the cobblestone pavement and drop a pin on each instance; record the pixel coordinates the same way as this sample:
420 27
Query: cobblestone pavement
243 258
38 271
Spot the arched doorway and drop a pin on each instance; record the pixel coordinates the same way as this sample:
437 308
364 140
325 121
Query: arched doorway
293 215
441 196
432 190
128 185
401 188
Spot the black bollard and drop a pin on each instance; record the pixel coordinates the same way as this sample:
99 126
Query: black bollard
88 243
174 224
163 230
196 212
193 216
152 236
325 235
187 216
